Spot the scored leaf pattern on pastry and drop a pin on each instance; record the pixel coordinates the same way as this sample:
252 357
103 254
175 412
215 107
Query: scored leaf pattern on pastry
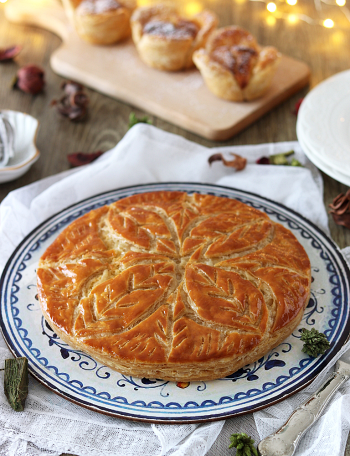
165 277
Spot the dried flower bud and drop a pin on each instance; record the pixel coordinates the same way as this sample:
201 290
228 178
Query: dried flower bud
9 53
340 209
238 162
30 79
81 158
74 103
279 159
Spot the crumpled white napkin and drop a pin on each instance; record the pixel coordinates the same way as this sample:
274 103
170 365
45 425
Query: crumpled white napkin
51 425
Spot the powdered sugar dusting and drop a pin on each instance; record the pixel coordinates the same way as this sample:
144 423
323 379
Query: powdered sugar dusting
97 6
182 29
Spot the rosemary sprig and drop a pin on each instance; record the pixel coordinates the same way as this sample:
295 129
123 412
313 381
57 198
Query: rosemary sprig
315 343
133 120
244 445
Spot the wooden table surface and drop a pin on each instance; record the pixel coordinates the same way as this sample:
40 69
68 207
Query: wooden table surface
327 51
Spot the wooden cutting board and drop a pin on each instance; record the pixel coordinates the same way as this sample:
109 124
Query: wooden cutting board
181 98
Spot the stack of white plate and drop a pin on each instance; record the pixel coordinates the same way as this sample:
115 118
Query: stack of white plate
323 126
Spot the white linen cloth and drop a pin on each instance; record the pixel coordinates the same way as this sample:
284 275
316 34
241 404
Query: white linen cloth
50 425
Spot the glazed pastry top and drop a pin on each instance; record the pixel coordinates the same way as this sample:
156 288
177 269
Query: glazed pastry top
167 277
237 51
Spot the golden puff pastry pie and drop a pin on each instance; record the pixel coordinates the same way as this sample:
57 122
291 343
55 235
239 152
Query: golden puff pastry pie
234 66
165 40
174 286
101 21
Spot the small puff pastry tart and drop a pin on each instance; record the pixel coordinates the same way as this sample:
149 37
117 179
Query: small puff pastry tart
101 21
234 66
165 40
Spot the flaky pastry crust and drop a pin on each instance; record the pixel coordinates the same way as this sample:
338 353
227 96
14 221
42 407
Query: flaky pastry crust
165 40
101 21
174 286
234 66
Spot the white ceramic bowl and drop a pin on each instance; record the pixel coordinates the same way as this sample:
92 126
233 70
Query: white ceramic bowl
25 151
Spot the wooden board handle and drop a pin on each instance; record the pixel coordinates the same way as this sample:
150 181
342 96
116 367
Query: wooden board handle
47 14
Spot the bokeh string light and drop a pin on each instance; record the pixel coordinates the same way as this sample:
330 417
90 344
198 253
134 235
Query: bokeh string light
277 10
328 23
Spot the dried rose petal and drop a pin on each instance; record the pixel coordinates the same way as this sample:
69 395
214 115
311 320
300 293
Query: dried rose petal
9 53
297 106
263 161
81 158
340 209
238 162
30 79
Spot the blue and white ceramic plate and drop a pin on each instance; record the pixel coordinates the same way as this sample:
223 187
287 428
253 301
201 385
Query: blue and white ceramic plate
81 379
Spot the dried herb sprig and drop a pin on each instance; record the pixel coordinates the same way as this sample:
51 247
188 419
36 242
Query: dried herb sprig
244 444
16 382
133 120
279 159
315 343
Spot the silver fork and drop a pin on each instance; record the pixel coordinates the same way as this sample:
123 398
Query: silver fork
284 441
